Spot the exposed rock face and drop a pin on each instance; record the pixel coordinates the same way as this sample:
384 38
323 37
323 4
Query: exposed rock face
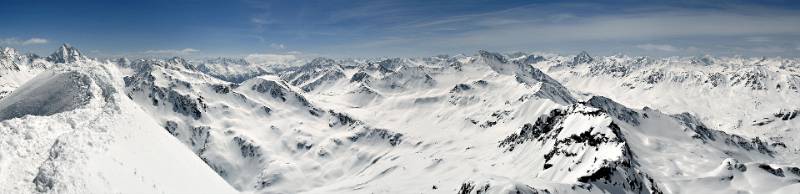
582 58
381 135
706 135
66 54
10 59
314 74
614 109
144 83
571 146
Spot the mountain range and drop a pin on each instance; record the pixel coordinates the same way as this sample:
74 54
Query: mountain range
473 123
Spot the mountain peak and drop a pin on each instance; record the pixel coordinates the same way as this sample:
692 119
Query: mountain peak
582 57
66 54
8 52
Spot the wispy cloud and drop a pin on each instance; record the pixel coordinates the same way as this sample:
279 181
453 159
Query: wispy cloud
565 24
18 42
657 47
186 51
34 41
277 46
640 26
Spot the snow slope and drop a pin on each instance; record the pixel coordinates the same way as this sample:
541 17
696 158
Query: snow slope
748 96
480 123
68 130
486 122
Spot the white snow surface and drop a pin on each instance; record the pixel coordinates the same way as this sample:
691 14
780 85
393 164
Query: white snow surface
79 135
482 123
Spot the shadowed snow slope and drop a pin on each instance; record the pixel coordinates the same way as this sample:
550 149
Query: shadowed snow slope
47 94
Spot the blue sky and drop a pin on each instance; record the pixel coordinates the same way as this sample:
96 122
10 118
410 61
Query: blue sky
199 28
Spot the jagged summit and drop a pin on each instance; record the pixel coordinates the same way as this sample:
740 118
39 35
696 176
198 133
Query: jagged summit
66 54
582 57
9 58
8 51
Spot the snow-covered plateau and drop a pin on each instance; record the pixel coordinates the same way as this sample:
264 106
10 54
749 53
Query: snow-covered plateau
478 123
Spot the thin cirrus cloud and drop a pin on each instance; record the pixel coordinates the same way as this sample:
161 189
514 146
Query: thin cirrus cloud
657 47
558 25
18 42
633 27
186 51
277 46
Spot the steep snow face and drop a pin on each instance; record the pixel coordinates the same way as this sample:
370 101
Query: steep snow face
91 140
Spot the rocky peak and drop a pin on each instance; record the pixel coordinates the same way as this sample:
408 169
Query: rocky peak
9 59
582 57
8 52
705 60
179 62
389 65
123 61
490 56
497 62
66 54
614 109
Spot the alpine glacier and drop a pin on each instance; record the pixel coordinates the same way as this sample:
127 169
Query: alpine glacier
473 123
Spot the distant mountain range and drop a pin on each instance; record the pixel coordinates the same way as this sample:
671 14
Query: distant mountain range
481 123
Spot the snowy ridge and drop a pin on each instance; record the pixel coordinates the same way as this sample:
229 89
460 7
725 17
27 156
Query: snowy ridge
205 116
733 94
17 68
232 70
482 123
90 141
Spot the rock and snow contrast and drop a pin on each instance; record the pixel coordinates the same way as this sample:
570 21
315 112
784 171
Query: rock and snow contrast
478 123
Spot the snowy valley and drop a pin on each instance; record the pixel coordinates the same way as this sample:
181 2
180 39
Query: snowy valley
485 122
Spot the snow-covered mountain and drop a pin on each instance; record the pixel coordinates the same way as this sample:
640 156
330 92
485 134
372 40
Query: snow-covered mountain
480 123
69 129
735 94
